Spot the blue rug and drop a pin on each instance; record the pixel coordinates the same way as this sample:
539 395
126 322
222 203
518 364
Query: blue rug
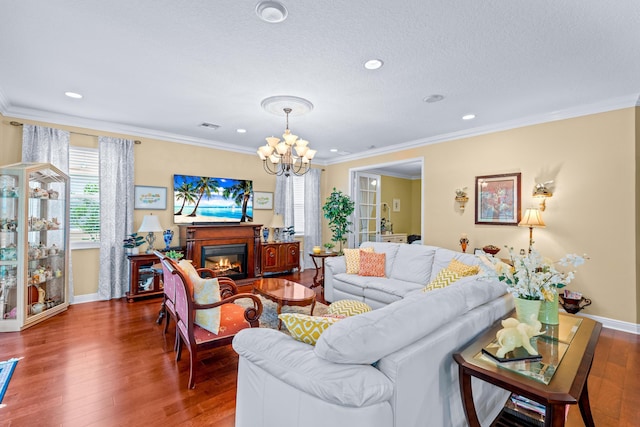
6 370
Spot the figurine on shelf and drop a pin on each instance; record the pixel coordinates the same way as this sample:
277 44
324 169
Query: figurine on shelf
41 295
515 334
53 194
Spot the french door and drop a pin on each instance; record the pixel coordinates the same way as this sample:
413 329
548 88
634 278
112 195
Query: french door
366 191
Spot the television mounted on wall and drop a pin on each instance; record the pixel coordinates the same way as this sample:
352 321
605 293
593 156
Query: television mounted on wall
203 200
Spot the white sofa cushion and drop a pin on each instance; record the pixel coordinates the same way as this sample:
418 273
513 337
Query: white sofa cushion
294 363
369 337
413 264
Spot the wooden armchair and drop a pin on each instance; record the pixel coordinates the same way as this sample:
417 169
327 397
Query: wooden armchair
233 317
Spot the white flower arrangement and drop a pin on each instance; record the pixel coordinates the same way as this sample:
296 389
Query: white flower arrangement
531 276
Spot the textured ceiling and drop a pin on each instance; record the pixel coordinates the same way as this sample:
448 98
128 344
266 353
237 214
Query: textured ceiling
160 68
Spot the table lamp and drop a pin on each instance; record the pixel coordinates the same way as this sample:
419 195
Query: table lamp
531 218
277 223
150 224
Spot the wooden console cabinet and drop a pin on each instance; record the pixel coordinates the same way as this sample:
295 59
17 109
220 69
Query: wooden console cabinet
280 257
144 277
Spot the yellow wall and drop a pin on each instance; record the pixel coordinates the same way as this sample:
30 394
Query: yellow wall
400 188
592 160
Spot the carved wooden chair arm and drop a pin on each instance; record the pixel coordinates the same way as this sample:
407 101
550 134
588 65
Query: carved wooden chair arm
251 314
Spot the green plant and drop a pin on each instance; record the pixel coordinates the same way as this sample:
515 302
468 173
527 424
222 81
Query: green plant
133 241
328 245
175 255
337 209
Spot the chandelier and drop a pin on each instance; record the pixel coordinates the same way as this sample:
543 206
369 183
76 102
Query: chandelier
278 158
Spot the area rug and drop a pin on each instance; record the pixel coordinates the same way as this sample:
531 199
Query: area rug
6 370
269 317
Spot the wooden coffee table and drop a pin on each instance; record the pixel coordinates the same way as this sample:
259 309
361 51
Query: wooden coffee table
285 292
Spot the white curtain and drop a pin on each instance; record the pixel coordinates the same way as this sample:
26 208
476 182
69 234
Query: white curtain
312 214
116 214
48 145
283 203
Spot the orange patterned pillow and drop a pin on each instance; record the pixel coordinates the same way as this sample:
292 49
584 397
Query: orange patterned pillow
372 264
352 259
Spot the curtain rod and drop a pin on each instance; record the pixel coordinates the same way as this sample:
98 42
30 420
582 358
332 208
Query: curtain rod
14 123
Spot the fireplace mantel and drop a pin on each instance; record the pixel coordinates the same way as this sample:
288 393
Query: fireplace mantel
194 237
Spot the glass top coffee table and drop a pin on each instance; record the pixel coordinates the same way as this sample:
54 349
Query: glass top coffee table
285 292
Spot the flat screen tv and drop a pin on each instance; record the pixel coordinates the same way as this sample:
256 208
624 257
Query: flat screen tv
201 199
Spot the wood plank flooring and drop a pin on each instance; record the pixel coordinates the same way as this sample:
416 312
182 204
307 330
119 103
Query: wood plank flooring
108 364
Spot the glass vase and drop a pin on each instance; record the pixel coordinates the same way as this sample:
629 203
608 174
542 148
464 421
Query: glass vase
527 310
549 311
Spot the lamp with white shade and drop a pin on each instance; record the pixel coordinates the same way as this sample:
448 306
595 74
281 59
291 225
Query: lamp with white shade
531 218
277 223
150 224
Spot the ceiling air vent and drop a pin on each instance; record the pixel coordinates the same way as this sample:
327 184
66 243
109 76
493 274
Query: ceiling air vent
210 126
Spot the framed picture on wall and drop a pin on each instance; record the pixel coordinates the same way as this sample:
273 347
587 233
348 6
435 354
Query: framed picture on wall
152 198
498 199
262 200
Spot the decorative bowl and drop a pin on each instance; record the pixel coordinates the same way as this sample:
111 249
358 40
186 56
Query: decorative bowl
491 249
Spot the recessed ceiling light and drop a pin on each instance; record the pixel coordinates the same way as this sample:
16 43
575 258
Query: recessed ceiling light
373 64
433 98
73 95
469 117
241 130
271 11
334 150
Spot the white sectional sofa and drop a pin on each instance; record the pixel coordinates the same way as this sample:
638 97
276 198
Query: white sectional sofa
407 268
391 367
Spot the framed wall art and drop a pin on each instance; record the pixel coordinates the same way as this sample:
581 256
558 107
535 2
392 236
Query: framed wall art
262 200
498 199
151 198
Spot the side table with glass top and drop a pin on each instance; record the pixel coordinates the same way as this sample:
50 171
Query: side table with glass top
559 379
318 278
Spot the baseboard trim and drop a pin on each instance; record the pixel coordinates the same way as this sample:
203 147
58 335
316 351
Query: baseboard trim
81 299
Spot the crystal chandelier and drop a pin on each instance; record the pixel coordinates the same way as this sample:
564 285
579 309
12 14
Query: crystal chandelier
278 158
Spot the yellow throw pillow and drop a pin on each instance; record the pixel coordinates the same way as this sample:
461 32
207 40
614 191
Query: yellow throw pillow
205 291
306 328
444 278
462 268
348 307
372 264
352 259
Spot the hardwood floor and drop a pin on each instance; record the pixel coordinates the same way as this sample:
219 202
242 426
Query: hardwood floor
108 363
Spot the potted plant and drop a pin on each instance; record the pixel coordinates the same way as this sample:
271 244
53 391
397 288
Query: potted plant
132 242
174 255
337 209
328 247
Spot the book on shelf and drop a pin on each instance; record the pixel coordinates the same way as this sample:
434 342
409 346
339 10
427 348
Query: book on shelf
518 353
529 417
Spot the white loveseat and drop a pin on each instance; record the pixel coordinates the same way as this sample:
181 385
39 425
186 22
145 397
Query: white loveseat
391 367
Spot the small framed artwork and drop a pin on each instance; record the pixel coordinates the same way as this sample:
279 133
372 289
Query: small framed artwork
498 199
396 205
152 198
262 200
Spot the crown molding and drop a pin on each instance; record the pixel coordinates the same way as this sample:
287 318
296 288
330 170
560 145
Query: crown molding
65 120
611 104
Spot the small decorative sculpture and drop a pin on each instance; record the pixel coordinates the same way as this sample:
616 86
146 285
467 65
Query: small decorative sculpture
168 236
515 334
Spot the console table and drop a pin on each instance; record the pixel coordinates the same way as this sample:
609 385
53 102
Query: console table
567 386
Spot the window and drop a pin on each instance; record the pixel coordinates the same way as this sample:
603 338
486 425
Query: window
84 203
298 204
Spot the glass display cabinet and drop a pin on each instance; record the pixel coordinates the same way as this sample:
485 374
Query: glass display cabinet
34 247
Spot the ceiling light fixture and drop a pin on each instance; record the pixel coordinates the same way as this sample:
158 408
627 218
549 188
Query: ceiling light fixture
241 130
271 11
469 117
373 64
278 158
73 95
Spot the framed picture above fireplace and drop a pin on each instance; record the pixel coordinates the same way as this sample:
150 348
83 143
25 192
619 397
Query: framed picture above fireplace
201 200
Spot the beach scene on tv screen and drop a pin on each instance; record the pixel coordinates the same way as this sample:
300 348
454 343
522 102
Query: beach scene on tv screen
206 199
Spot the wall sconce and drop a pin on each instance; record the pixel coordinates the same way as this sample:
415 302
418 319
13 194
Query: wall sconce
543 192
461 197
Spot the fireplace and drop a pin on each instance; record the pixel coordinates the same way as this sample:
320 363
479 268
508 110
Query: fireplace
226 260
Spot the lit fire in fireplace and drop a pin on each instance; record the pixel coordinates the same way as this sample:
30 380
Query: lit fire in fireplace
223 266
